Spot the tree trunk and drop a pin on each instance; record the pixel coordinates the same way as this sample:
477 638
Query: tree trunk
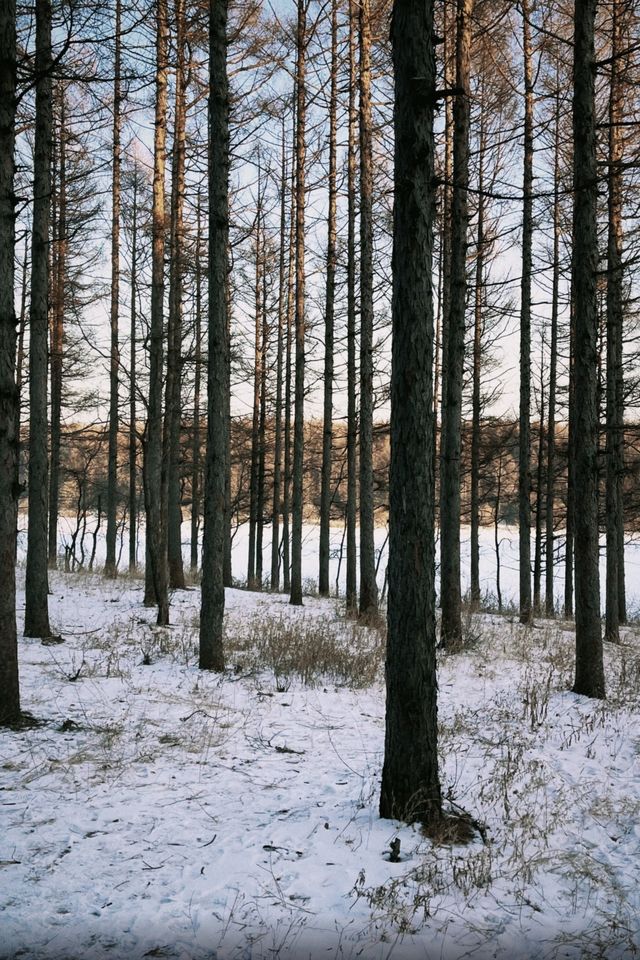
9 416
195 455
173 419
589 666
450 594
58 285
524 443
615 593
133 436
110 567
36 614
274 580
22 325
327 427
252 582
410 783
153 459
262 424
537 557
215 515
286 500
553 375
368 587
352 427
571 445
298 427
476 402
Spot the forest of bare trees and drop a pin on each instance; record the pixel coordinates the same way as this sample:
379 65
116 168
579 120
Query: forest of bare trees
367 266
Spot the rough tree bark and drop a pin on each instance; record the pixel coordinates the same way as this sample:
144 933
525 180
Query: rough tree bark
524 444
36 614
410 783
286 499
58 284
589 666
368 587
212 605
197 379
274 580
173 405
549 601
153 458
258 361
110 567
476 402
615 591
133 386
352 480
327 426
450 450
298 426
9 416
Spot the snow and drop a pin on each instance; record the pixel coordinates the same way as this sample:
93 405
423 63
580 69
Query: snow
161 811
509 549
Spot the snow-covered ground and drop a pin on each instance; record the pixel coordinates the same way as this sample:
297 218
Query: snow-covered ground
508 549
159 811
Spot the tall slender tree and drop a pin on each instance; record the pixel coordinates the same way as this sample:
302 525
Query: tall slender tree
58 289
110 567
615 583
332 238
9 416
155 498
450 452
282 314
589 665
298 427
524 455
36 614
212 602
368 587
133 378
173 403
553 375
352 425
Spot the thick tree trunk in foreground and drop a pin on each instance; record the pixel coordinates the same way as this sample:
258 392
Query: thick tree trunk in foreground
524 443
410 782
153 466
450 451
589 667
298 426
368 587
9 417
327 427
36 614
212 605
110 568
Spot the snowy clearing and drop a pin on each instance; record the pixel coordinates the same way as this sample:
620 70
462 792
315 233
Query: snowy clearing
160 811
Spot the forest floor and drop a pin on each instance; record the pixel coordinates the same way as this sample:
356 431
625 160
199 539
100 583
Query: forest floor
158 811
